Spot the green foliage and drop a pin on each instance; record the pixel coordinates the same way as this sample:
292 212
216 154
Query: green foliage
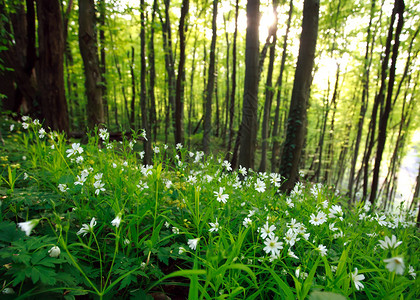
107 226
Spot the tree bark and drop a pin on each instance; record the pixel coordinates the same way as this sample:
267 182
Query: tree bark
249 124
169 64
269 91
152 75
89 52
143 92
383 120
50 72
232 93
276 141
133 91
102 16
363 107
210 83
296 124
179 94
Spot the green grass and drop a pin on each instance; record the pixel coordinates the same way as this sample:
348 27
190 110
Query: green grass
184 226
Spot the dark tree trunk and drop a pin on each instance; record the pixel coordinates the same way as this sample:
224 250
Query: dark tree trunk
169 64
179 94
276 141
133 91
76 113
330 156
210 83
216 95
363 107
143 92
232 94
250 103
152 75
102 16
89 52
383 120
268 91
50 73
21 57
225 127
296 124
191 102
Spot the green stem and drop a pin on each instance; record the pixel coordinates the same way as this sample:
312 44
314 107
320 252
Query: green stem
63 244
100 258
113 258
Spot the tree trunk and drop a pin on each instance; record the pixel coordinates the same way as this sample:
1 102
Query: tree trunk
89 52
296 124
179 95
102 16
250 103
191 104
50 73
133 91
383 120
210 83
143 92
152 76
363 107
330 156
276 141
169 63
268 91
227 93
232 94
20 85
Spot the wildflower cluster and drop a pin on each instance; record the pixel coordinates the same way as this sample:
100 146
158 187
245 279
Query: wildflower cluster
121 224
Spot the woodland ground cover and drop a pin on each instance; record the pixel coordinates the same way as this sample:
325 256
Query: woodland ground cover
91 220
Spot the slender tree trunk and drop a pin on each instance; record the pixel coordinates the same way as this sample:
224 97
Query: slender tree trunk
89 52
116 109
296 124
152 75
50 72
169 63
250 103
191 104
276 141
216 97
143 92
210 83
330 150
232 95
226 122
268 91
133 92
102 16
21 84
363 107
179 96
383 120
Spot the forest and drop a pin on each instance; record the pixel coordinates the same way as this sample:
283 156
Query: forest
153 100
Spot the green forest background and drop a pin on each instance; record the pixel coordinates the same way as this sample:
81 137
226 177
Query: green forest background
164 66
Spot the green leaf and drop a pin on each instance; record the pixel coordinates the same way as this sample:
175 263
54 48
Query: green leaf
8 232
326 296
282 285
308 282
127 281
140 295
163 255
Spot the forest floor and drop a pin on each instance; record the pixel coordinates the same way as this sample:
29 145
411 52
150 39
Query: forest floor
91 221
